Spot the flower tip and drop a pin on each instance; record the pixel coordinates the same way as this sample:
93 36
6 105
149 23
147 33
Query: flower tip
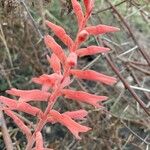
48 23
117 29
114 80
107 49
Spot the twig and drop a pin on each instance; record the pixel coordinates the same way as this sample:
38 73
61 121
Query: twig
143 140
6 136
32 19
139 69
2 37
127 86
137 81
99 11
128 51
143 52
140 88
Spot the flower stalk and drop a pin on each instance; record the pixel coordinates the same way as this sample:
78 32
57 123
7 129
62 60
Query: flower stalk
56 84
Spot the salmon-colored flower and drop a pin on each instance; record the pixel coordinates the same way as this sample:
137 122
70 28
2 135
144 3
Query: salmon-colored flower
48 80
93 75
82 36
60 33
100 29
21 106
89 4
51 43
18 122
91 50
84 97
29 95
74 127
76 115
78 12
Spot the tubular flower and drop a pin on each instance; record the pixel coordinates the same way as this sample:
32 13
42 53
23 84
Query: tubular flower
65 120
91 50
60 33
64 66
93 75
30 95
18 122
84 97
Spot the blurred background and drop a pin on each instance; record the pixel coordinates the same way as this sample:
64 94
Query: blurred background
23 55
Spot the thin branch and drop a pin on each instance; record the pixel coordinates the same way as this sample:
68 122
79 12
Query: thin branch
143 52
6 136
99 11
32 19
2 37
127 86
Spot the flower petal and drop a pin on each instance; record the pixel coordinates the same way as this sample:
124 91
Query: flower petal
47 80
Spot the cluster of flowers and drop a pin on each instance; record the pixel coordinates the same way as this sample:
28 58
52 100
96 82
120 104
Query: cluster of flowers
56 84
